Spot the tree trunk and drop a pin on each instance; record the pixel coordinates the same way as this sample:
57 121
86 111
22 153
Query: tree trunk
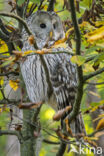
31 131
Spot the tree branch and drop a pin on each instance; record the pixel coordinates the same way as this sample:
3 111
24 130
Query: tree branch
96 131
51 5
62 149
10 132
90 83
3 28
77 103
86 77
41 2
9 73
51 142
18 19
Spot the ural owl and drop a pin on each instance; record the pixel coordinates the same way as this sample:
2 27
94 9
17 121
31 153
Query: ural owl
62 72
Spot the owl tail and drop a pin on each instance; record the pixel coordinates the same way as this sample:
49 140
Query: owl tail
77 125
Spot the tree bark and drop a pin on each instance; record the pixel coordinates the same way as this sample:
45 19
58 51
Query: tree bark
31 146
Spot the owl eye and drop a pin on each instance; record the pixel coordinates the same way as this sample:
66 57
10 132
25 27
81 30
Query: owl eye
54 26
43 25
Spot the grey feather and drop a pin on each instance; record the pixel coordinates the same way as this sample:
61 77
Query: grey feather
62 71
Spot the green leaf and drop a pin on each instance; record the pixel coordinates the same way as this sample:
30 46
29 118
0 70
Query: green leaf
78 59
35 1
7 62
20 2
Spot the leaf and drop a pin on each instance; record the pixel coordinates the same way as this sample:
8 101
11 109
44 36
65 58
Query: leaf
100 124
99 59
99 117
14 84
60 113
20 2
18 127
95 94
95 35
31 40
3 47
8 61
78 59
88 139
35 1
1 110
60 134
67 127
60 44
1 80
30 105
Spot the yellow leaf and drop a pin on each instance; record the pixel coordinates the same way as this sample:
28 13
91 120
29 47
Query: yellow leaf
3 47
1 80
60 44
27 52
6 109
95 35
95 94
99 117
78 59
88 68
100 124
99 23
29 7
1 110
14 84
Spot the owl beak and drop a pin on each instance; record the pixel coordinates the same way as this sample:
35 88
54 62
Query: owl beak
51 35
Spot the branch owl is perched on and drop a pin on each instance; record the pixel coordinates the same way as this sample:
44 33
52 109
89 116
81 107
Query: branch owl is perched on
62 72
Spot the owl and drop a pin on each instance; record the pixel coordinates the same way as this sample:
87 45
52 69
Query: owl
62 72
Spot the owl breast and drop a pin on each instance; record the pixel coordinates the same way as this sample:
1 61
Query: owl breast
34 78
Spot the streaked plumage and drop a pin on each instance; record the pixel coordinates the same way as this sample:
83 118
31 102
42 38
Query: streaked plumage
62 71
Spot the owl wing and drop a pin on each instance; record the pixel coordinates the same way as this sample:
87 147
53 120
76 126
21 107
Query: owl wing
63 78
64 81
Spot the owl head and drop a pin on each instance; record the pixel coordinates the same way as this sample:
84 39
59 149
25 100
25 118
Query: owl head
42 24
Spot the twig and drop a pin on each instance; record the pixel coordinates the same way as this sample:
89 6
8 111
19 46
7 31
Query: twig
21 21
100 83
86 77
62 149
3 28
20 13
7 52
41 2
3 36
6 38
77 103
79 95
32 9
51 5
10 132
89 59
9 73
96 131
18 19
9 102
51 142
26 6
